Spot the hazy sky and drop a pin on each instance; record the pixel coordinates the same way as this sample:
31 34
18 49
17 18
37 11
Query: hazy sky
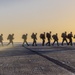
27 16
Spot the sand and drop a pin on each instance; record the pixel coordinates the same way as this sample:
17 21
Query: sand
37 60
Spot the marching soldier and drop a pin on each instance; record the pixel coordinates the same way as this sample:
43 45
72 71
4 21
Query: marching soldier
64 38
10 38
24 37
55 37
70 35
34 37
42 36
48 35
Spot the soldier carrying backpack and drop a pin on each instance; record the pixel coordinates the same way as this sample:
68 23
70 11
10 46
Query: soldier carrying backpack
24 37
10 38
64 38
55 37
48 35
70 35
42 36
34 37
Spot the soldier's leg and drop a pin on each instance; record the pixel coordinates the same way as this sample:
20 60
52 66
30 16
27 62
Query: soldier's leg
57 43
8 43
49 42
67 42
71 42
33 43
27 43
43 42
46 43
62 42
53 43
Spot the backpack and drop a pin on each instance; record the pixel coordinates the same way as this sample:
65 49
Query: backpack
48 35
69 36
35 36
54 36
63 35
24 37
32 36
41 36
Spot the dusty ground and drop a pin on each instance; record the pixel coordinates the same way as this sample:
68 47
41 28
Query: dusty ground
38 60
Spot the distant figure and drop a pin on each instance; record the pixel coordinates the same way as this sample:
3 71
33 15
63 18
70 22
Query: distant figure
48 35
24 37
10 38
70 35
34 37
64 38
1 39
55 37
42 36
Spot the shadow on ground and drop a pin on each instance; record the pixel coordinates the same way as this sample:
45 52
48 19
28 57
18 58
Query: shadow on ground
19 50
57 62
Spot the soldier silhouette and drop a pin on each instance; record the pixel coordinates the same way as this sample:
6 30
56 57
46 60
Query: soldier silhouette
48 35
55 37
10 38
1 39
34 37
64 38
24 37
42 36
70 35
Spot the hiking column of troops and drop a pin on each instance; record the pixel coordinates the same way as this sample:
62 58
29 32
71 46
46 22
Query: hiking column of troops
65 37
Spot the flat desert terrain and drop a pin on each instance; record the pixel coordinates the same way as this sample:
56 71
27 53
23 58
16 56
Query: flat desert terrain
37 60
